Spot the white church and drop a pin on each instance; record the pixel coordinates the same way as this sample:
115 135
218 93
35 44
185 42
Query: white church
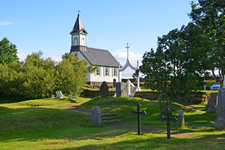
108 66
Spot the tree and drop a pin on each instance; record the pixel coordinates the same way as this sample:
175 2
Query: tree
175 68
8 52
210 16
71 75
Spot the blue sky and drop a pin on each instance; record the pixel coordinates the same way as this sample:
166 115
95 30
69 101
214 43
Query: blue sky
34 25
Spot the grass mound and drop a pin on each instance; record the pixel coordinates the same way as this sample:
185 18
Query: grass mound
49 124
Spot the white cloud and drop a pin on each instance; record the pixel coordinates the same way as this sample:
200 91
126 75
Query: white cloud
4 23
22 54
56 58
121 56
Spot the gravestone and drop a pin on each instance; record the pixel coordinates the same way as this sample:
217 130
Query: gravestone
168 119
104 90
220 121
70 96
114 82
119 89
96 116
139 113
59 94
211 106
180 118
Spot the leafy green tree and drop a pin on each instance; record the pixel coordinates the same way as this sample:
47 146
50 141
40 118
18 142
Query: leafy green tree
71 75
8 52
175 68
38 76
210 16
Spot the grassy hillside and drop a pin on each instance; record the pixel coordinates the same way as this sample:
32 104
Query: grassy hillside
56 124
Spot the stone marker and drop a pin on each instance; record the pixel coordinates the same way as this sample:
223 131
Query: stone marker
119 89
180 118
220 121
138 113
70 96
168 119
104 90
211 106
59 94
114 82
96 116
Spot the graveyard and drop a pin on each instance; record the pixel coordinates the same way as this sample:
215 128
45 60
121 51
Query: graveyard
60 123
171 97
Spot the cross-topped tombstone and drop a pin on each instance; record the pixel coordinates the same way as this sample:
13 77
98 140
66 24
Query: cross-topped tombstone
138 113
168 119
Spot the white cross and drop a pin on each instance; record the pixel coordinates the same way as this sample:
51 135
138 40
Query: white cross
127 50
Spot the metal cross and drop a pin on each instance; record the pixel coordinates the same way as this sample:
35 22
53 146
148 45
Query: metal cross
168 119
127 50
78 11
138 113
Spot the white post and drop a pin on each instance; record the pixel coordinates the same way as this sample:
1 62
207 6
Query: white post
138 77
128 88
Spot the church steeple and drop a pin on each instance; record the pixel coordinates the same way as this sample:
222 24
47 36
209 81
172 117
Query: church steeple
78 36
78 27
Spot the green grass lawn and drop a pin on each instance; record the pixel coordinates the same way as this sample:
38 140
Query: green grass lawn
49 124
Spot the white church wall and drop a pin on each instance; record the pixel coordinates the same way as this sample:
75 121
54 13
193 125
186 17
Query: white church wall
100 78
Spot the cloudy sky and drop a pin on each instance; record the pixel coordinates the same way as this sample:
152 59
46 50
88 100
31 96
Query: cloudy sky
44 25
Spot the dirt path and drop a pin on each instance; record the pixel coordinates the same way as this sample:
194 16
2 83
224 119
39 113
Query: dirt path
75 107
190 107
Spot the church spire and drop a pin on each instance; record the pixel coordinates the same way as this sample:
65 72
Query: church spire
78 27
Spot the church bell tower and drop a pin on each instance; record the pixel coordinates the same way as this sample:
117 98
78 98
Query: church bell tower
78 37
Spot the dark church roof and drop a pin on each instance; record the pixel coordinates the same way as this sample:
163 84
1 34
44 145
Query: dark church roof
78 27
100 57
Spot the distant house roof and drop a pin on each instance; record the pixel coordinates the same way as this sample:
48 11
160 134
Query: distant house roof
78 27
100 57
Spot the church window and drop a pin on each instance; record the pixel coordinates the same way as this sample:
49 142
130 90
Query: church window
107 71
114 72
98 71
75 41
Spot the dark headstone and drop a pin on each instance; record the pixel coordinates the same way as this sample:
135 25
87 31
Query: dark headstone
220 121
211 106
119 89
104 90
180 118
114 82
139 113
95 116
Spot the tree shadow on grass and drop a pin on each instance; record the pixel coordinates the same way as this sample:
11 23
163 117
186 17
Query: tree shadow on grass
138 142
